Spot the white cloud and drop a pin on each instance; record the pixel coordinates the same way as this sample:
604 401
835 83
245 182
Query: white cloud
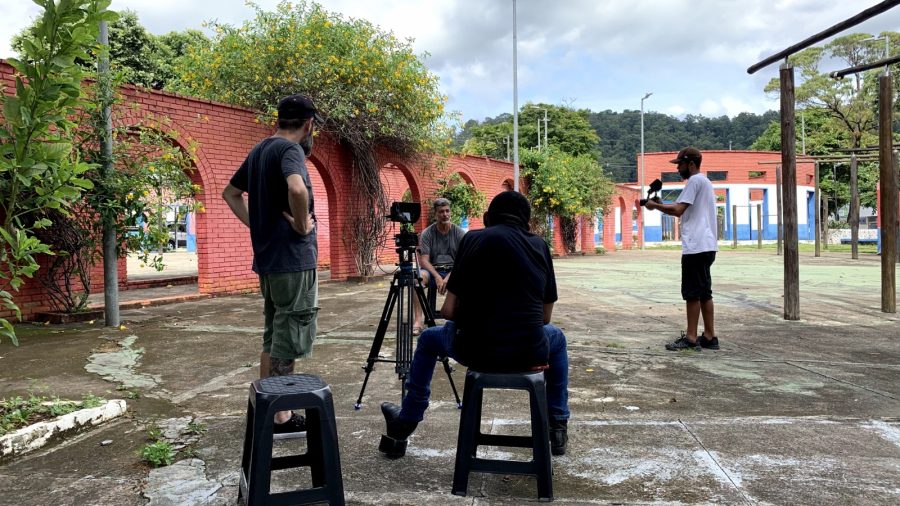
600 53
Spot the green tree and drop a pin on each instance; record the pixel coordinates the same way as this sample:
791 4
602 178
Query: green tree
560 184
567 130
39 169
465 199
136 55
371 87
838 113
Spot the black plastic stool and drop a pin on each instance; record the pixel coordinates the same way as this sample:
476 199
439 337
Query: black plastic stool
470 436
282 393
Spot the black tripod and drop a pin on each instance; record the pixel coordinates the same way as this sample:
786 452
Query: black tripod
405 285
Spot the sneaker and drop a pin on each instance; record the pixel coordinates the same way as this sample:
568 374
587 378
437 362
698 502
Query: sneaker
293 428
710 343
559 436
393 445
682 343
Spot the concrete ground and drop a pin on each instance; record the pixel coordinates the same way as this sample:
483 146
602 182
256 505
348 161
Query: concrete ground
804 412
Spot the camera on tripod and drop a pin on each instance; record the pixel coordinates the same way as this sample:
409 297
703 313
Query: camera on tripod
653 192
405 213
406 288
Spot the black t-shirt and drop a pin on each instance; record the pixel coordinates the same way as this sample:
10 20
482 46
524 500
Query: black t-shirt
263 175
502 278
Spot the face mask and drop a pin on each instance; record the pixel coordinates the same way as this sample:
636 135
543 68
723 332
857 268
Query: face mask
307 144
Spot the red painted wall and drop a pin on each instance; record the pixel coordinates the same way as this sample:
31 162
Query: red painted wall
223 135
738 164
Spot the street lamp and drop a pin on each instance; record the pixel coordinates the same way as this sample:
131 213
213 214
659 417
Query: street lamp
539 126
642 163
515 105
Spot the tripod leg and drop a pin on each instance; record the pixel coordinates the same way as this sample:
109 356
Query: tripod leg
379 338
426 306
449 371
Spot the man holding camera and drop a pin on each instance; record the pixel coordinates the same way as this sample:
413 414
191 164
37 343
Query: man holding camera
438 245
279 213
492 327
697 208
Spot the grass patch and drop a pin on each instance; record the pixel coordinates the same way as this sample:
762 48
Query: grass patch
615 345
158 454
17 412
196 428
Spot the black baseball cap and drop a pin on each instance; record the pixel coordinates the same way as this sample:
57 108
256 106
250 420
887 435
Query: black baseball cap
687 154
298 106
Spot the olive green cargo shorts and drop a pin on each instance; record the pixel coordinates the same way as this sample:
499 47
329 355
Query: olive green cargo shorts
291 304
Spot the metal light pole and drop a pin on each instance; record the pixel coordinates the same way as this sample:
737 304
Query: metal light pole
642 163
539 126
515 105
545 129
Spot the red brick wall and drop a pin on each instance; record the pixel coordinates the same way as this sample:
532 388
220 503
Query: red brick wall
626 199
223 135
738 164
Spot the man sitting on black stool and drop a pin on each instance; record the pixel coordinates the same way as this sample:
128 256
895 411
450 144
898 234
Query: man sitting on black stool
493 327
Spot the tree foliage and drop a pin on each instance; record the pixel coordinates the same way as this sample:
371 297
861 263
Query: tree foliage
560 184
839 114
370 86
619 135
465 199
567 130
38 168
136 55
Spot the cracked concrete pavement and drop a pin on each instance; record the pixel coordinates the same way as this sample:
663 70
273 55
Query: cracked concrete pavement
803 412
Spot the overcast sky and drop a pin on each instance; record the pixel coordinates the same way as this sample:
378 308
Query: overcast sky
596 54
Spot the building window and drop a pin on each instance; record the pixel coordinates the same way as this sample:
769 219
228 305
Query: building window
757 174
671 177
669 195
717 175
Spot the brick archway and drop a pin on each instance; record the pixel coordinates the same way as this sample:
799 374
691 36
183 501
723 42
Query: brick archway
223 135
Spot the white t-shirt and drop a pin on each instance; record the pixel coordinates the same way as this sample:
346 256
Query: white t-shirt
698 223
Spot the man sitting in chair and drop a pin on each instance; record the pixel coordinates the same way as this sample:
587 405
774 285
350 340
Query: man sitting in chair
438 245
493 327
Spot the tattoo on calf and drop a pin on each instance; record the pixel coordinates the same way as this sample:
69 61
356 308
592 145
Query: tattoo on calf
280 367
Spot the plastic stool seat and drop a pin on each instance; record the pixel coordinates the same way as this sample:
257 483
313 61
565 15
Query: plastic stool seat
282 393
470 435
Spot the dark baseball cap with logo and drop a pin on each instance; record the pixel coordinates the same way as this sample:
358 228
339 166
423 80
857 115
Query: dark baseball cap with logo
688 154
298 106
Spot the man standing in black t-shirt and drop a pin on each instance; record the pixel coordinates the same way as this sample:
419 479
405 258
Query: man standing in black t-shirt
494 327
280 213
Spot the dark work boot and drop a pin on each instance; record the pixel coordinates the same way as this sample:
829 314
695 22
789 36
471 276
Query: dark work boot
393 445
559 436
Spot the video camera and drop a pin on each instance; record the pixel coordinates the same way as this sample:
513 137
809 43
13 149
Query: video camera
653 192
405 213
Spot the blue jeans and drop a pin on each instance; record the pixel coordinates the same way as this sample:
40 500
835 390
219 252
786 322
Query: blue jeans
437 342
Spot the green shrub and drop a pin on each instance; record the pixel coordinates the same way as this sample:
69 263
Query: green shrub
158 454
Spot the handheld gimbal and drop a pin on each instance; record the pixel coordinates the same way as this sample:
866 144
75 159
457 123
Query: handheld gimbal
653 192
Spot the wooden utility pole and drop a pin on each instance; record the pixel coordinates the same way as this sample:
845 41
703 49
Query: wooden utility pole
854 208
778 210
759 227
825 214
888 176
817 199
734 226
789 183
